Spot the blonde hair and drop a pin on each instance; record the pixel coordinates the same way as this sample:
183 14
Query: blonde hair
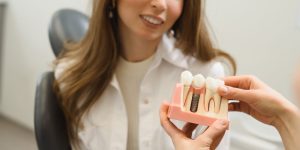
95 57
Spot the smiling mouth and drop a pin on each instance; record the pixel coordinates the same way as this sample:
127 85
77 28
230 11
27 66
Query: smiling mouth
152 20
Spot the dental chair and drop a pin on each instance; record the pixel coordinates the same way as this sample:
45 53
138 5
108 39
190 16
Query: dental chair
67 25
49 121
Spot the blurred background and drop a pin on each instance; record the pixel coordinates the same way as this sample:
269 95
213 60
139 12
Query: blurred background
262 35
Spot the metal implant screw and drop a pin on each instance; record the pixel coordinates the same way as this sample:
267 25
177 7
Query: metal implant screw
194 103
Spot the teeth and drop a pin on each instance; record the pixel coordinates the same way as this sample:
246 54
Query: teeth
152 20
198 81
198 84
211 95
192 87
186 80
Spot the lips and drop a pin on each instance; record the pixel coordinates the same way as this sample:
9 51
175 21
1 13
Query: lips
152 19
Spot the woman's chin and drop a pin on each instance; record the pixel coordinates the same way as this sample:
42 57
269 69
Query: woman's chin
150 36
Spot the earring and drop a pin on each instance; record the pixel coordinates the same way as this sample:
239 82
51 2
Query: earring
111 9
171 33
110 14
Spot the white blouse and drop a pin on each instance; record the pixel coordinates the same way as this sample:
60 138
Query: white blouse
106 124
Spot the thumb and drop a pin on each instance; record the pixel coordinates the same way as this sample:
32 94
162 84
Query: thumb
216 130
168 126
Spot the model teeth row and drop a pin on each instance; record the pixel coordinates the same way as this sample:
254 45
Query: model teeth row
196 86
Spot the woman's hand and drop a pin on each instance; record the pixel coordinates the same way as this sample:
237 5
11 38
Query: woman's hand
256 98
264 104
182 138
296 84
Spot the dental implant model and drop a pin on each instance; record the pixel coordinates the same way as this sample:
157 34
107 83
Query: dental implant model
198 87
196 100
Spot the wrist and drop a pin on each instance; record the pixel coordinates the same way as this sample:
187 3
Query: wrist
287 124
286 116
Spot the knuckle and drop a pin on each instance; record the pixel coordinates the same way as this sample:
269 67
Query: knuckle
207 141
231 92
252 77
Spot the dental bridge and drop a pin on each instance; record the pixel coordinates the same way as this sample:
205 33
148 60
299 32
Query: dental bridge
196 100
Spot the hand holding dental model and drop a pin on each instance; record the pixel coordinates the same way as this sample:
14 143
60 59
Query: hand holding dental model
264 104
196 100
256 99
182 140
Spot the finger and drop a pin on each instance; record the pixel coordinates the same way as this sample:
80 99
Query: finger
217 141
168 126
188 129
227 92
214 131
243 81
239 106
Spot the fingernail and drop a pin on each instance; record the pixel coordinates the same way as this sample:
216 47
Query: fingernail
222 122
223 90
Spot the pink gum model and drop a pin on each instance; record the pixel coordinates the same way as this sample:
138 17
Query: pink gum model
176 110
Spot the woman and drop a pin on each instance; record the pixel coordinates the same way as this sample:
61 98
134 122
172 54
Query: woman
256 99
112 82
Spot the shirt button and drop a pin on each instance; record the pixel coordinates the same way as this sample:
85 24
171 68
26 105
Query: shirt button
146 101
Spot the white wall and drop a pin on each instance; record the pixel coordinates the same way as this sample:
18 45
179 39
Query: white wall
262 35
27 53
264 38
